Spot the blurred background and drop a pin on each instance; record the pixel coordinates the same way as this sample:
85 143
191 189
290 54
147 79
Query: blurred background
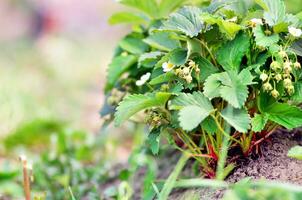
53 59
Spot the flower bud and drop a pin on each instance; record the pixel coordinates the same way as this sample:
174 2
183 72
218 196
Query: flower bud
297 65
278 77
287 67
282 53
287 82
290 89
178 71
164 87
124 54
188 78
192 63
186 70
263 76
275 65
268 32
275 93
267 86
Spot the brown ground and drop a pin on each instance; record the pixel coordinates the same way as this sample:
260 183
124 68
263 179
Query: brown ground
273 164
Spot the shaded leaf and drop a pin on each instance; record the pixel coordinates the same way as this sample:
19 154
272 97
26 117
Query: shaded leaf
229 56
166 77
178 56
297 96
205 66
149 59
118 66
209 125
237 118
297 47
281 113
153 141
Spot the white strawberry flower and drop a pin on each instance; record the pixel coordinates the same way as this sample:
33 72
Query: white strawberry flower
257 21
144 78
233 19
296 32
167 66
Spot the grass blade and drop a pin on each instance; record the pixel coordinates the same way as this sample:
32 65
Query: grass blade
170 182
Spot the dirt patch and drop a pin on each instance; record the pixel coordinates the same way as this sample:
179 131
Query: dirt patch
273 164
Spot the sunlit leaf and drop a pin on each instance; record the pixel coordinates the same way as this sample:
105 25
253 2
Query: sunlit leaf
162 41
132 104
295 152
186 20
263 40
258 122
127 18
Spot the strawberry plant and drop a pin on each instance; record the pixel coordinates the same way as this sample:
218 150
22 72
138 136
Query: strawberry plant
210 76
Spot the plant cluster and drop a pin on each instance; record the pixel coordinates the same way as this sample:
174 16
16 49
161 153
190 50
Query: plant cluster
209 76
67 161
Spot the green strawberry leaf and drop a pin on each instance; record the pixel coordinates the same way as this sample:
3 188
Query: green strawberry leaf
209 125
263 40
178 56
132 104
149 7
118 66
126 18
230 29
167 6
186 20
186 119
196 105
229 56
163 78
258 122
295 152
162 41
230 86
133 45
153 141
237 118
275 12
283 114
205 66
149 59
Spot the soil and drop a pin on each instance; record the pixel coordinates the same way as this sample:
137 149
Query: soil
271 164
